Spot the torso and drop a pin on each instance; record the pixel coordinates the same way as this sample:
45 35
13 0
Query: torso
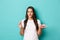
30 31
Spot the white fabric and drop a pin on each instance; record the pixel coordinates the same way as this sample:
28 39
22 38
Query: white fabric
30 31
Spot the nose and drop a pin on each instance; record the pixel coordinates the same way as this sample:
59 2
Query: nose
30 14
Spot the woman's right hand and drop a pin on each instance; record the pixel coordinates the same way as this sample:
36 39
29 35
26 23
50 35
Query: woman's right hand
21 29
20 24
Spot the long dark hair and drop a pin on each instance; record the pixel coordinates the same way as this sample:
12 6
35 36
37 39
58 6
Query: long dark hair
34 18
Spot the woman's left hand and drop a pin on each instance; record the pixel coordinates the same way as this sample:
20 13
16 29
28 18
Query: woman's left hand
42 26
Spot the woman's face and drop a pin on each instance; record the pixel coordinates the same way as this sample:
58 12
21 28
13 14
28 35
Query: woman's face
30 13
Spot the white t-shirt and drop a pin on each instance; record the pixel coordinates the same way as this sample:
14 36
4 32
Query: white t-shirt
30 30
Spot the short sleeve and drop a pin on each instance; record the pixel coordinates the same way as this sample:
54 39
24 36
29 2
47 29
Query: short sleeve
22 23
39 22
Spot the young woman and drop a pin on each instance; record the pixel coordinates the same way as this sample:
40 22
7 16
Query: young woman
30 27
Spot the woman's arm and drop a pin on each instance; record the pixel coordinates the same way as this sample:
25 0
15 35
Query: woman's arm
21 28
40 29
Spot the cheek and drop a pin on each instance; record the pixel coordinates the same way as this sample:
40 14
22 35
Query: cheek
32 14
28 14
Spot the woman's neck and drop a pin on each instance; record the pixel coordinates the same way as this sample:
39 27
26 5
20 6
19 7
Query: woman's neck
30 18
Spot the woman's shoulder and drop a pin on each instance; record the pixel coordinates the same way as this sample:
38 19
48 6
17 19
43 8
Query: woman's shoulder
23 20
38 20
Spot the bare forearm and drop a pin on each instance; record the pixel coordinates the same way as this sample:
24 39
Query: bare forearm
39 31
22 31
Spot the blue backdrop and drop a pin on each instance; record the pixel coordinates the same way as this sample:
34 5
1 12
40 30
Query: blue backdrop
13 11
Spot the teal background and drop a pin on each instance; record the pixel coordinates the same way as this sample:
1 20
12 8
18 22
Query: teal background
13 11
